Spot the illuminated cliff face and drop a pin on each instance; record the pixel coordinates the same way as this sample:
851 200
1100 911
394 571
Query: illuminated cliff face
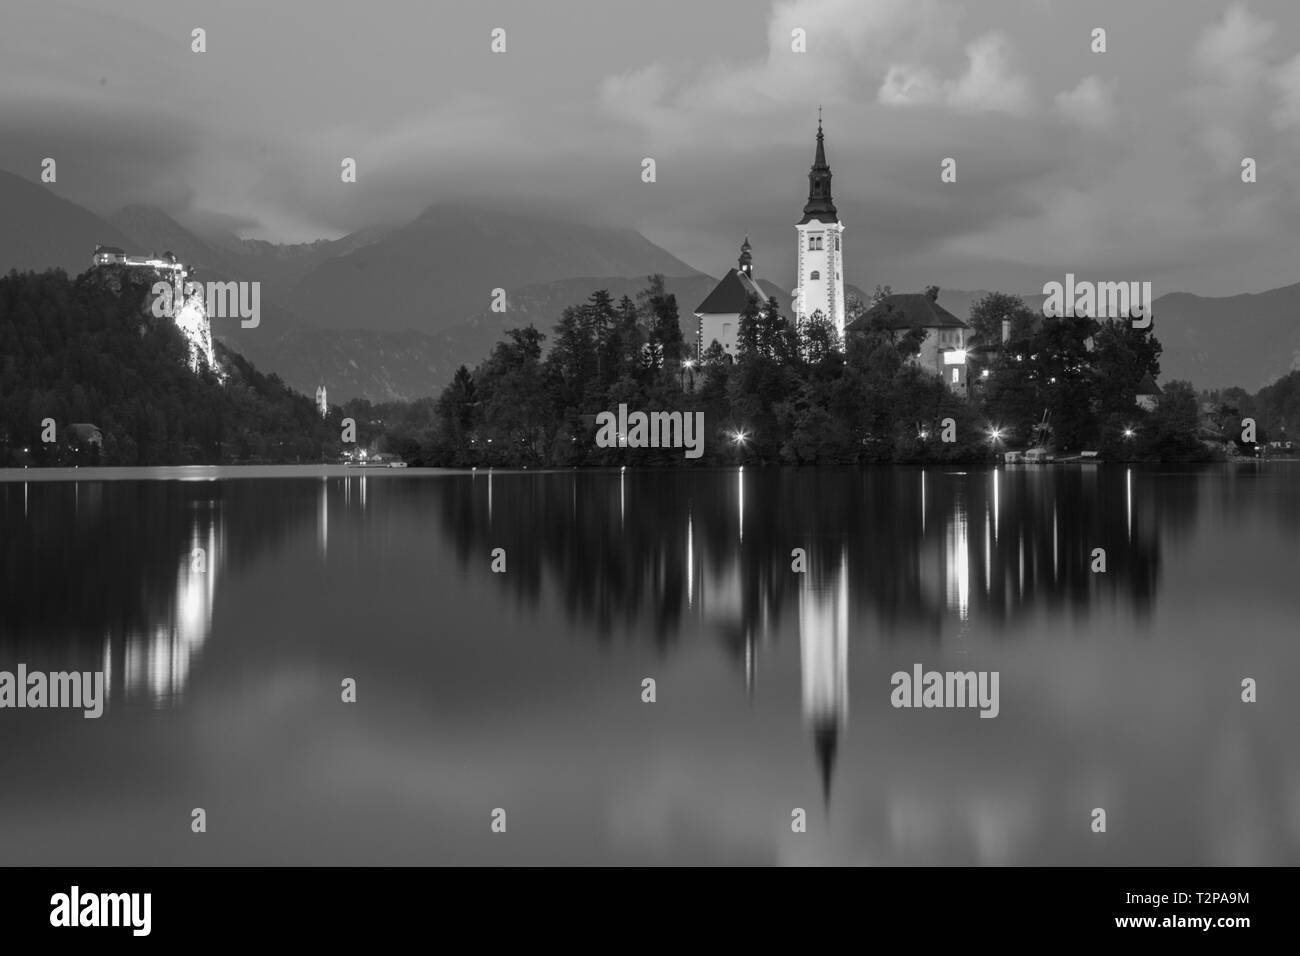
192 319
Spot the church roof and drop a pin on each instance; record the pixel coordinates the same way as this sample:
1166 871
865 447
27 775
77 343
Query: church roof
907 310
1148 385
731 294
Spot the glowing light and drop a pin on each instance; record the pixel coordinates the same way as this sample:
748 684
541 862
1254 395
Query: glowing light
958 561
740 503
995 434
690 560
1128 502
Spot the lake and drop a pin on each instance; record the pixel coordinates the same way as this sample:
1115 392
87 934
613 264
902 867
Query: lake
227 611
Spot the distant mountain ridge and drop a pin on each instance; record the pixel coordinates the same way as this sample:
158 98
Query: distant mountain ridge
39 230
390 312
444 266
408 365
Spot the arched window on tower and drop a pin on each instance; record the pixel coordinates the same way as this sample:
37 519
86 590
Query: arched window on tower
815 275
837 243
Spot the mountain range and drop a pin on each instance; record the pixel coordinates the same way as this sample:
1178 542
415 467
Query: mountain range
390 312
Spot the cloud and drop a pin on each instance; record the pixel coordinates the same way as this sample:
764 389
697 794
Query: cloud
1091 104
1230 57
636 92
907 85
989 82
1287 80
1231 51
850 44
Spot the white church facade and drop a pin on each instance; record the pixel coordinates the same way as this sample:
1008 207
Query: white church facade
719 314
820 238
820 276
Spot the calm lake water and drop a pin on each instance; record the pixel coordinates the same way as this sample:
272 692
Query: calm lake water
523 690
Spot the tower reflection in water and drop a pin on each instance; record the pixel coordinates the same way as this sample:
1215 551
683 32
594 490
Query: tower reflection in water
824 664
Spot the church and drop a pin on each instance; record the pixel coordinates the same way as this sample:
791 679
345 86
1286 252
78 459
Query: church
819 261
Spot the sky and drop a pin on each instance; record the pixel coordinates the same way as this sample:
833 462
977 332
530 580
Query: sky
1116 165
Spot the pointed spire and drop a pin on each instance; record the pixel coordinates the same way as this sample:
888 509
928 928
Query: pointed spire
819 161
746 259
825 741
820 206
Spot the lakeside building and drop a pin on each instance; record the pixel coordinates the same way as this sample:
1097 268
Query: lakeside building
86 434
1148 393
945 347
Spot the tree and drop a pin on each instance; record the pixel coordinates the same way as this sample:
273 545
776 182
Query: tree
1122 356
1171 431
988 312
779 337
665 329
750 334
819 340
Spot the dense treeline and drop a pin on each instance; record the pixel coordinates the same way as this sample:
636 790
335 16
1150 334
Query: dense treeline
800 395
87 350
1275 409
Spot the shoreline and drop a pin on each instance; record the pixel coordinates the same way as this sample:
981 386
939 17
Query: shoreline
245 472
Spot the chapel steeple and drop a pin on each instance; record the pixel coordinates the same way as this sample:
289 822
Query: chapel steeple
820 206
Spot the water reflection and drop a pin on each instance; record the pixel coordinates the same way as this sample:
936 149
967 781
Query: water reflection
1118 687
893 554
824 663
156 663
121 577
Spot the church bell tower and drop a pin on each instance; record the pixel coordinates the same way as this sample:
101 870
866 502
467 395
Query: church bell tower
820 276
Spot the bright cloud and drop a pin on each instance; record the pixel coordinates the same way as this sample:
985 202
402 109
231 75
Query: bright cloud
1091 104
